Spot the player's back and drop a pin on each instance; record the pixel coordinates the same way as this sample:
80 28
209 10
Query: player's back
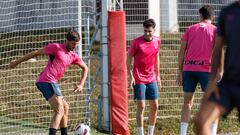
200 41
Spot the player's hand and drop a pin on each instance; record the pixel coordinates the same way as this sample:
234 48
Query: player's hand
159 82
78 88
13 64
219 76
132 83
179 79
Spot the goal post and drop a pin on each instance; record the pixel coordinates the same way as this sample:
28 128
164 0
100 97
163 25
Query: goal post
114 95
104 110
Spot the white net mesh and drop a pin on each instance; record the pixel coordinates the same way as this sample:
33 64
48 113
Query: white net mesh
27 25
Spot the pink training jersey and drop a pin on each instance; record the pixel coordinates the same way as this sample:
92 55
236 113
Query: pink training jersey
200 41
145 54
59 60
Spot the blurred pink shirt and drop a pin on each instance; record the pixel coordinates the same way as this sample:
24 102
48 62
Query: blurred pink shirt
145 54
200 39
63 58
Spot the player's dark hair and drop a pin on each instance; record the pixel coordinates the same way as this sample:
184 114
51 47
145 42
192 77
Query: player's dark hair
149 23
73 35
207 12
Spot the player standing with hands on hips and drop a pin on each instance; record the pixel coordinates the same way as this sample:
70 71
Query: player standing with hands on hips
60 57
144 74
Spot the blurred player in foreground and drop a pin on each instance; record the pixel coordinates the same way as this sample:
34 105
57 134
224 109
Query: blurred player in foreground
222 97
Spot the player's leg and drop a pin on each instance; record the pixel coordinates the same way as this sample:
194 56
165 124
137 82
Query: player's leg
152 116
213 108
139 116
186 111
214 127
152 96
189 86
139 96
63 123
52 94
203 78
205 117
56 103
186 108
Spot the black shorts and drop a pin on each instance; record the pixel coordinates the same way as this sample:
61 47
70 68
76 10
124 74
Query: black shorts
229 97
192 78
48 89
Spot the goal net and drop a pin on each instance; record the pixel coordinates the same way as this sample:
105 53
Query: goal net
27 25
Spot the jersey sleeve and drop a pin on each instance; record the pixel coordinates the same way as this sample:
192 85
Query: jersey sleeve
51 49
76 59
132 49
185 36
220 25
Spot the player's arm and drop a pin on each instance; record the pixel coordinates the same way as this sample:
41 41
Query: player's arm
26 57
157 69
221 67
130 68
217 62
80 85
181 54
217 58
129 65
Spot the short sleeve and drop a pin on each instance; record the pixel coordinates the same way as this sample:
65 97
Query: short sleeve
185 36
51 49
76 59
132 49
220 25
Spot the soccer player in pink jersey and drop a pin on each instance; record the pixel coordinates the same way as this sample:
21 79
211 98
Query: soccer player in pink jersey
61 56
144 74
194 61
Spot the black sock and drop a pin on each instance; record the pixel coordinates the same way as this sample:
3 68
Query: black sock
64 131
52 131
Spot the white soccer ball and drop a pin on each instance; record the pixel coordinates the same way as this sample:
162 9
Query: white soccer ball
82 129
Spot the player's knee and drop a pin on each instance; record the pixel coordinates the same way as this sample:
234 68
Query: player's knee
59 109
66 107
154 108
140 109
